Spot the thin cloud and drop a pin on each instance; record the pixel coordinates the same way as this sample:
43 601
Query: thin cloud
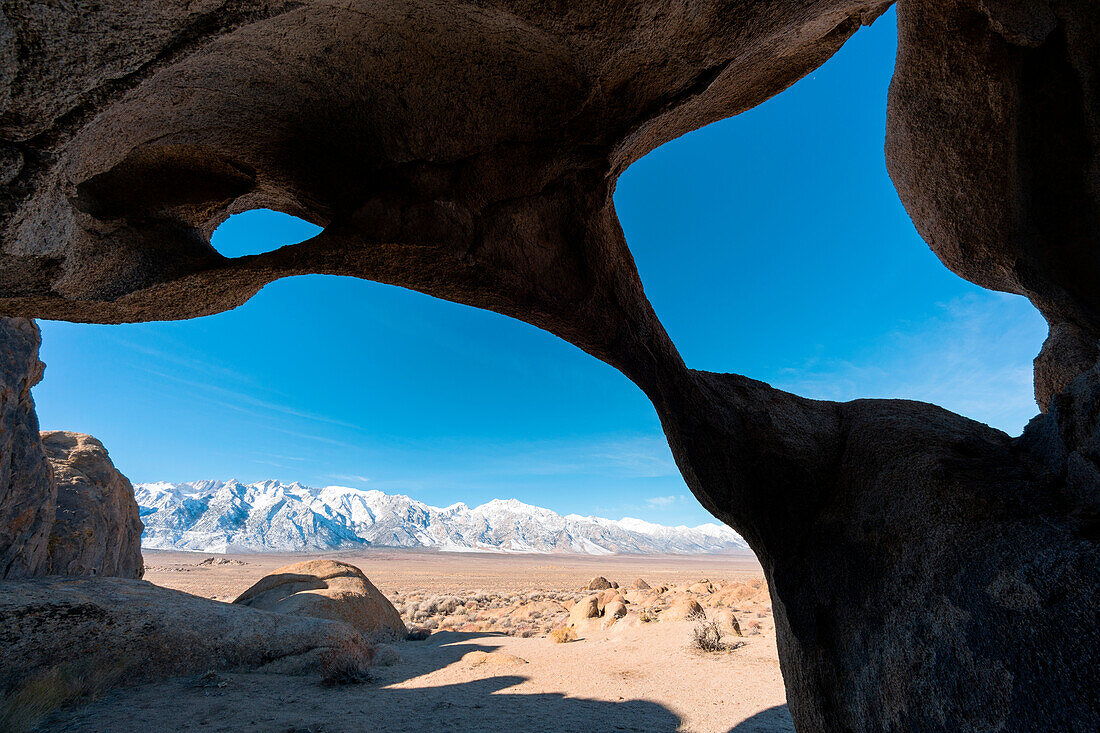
974 359
661 501
348 477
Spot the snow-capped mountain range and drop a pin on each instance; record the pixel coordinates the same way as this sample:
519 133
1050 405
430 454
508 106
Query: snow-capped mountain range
228 516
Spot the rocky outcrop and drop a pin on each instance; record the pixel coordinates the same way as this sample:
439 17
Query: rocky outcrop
327 589
132 631
926 571
27 489
583 611
600 583
96 530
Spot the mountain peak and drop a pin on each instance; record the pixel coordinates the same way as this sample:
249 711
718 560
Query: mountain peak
273 516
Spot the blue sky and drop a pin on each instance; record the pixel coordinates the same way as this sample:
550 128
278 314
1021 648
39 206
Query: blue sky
771 244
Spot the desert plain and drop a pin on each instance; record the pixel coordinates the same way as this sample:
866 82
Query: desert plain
491 661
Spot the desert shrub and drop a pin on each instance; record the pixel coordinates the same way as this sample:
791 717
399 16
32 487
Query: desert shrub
706 636
563 634
647 616
24 707
347 663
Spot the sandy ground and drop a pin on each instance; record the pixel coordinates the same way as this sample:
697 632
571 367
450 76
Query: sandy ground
630 676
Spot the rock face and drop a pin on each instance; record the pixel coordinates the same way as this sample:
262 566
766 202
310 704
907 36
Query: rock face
27 489
141 631
926 571
96 530
328 589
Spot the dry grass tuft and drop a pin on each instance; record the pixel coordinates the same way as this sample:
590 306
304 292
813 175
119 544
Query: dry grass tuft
563 634
347 663
706 636
26 705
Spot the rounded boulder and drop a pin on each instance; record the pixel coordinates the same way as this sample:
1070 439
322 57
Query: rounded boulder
328 589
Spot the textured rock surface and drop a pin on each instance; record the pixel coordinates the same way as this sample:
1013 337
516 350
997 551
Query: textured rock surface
27 489
96 530
993 143
117 624
927 572
327 589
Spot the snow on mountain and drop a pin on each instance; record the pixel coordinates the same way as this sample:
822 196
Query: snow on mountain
228 516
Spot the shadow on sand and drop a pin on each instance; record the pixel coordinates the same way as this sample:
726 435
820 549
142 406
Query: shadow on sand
773 719
264 702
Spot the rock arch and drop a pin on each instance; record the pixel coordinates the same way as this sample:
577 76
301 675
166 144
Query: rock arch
921 564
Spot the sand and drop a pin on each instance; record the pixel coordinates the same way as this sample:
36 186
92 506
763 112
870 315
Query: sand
631 676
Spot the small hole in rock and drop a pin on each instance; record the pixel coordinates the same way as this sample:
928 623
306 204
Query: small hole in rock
260 230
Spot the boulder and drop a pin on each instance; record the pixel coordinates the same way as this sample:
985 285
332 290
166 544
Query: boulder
683 610
640 584
609 595
327 589
584 610
600 583
703 587
28 494
614 610
96 529
727 622
136 631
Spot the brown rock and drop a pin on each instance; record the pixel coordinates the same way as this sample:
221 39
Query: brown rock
684 609
327 589
615 609
28 494
96 530
136 630
639 584
583 611
599 583
728 622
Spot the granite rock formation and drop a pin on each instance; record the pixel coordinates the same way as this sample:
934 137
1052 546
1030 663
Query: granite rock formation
141 632
926 571
28 493
328 589
96 529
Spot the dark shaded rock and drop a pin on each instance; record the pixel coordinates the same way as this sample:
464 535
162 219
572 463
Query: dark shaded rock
920 564
27 489
96 530
994 147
